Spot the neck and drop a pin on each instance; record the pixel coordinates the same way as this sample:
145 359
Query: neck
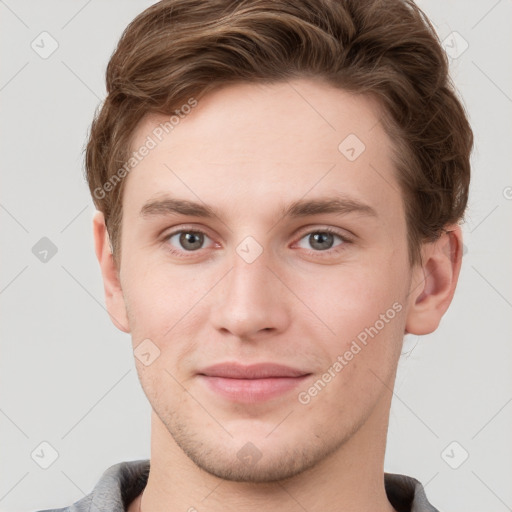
351 478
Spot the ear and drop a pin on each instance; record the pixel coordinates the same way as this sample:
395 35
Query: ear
434 281
114 298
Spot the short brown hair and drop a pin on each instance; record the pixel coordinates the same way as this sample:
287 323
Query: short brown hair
181 49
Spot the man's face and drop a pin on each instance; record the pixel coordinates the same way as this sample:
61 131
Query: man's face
276 275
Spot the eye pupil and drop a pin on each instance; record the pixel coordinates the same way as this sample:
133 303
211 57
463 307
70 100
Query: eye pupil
191 241
321 240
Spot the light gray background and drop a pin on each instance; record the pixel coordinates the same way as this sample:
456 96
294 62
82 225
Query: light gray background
68 376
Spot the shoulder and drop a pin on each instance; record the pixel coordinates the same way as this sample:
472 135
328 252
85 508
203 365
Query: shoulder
118 486
406 494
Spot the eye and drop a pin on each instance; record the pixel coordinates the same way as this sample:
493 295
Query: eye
321 240
187 240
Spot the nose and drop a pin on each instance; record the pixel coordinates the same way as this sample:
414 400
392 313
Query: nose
251 301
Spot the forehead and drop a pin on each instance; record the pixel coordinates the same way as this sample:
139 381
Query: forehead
252 146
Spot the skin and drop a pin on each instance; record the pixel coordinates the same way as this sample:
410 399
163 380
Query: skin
248 151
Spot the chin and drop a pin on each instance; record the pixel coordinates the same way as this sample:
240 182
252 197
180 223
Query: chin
256 468
263 460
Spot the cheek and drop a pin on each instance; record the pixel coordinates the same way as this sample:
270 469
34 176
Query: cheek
353 298
364 307
160 295
368 318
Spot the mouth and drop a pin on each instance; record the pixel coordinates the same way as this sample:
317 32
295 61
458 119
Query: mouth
253 383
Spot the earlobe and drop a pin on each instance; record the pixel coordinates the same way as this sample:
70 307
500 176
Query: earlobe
114 298
434 282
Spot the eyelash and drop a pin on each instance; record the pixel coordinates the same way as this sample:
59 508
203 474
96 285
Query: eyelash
327 252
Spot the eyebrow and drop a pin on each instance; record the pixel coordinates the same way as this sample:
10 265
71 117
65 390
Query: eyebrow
337 205
169 206
300 208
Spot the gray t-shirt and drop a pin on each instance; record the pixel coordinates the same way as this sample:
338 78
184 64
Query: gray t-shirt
122 483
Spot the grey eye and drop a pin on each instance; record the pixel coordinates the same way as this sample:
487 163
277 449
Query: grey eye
188 240
319 240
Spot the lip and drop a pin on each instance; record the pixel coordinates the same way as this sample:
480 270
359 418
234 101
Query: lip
251 383
252 371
